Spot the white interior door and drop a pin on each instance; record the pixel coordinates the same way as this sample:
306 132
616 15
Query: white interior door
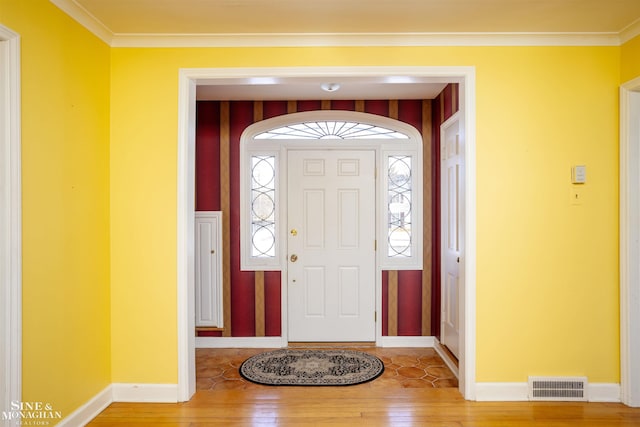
208 269
331 245
452 180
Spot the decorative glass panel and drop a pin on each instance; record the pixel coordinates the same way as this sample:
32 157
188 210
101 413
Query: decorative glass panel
331 130
263 206
399 207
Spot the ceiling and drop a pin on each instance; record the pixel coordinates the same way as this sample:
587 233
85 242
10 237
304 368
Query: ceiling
159 23
362 16
305 88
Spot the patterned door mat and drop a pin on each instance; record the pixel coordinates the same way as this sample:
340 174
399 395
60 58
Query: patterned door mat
312 367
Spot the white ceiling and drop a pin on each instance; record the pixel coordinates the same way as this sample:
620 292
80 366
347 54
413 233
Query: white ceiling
362 16
350 22
305 88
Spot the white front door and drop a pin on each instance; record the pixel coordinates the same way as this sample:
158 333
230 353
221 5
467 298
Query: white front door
452 170
331 245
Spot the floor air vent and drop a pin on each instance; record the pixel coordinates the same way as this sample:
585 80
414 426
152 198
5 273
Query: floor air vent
558 388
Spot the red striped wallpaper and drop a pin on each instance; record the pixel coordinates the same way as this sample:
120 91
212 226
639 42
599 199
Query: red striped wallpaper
243 299
444 106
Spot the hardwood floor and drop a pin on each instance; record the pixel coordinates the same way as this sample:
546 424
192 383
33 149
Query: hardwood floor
394 402
346 406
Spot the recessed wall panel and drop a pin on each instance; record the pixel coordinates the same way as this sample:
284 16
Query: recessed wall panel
451 292
313 167
349 279
348 167
349 210
314 209
315 291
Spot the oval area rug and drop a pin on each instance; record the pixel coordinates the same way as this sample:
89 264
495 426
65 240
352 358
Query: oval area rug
312 367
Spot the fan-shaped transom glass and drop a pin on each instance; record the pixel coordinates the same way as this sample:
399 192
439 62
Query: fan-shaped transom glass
331 130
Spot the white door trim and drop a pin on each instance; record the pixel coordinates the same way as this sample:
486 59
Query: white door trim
190 78
11 217
630 242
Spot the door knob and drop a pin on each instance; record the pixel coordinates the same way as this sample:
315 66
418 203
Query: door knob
293 258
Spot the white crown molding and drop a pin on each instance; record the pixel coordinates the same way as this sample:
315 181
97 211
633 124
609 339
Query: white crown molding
97 27
630 32
365 39
86 19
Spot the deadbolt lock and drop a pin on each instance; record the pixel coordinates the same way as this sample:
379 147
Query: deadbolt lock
293 258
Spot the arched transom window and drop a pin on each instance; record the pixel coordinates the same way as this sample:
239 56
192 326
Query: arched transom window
398 149
326 129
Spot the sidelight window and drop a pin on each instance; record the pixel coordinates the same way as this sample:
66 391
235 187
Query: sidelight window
400 191
263 206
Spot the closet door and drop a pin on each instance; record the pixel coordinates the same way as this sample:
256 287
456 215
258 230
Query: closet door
208 264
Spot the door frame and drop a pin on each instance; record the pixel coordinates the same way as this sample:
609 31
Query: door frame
11 218
188 81
629 246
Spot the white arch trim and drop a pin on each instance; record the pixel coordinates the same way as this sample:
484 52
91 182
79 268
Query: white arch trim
190 78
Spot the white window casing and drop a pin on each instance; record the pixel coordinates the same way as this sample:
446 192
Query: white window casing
333 130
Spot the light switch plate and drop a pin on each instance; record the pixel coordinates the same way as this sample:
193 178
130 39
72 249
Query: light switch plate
579 174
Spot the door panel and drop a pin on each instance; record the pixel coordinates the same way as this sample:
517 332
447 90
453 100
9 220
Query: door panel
331 245
208 269
452 167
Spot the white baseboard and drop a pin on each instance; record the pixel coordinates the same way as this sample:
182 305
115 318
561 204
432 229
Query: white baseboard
280 342
406 341
240 342
504 392
89 410
145 393
605 392
446 358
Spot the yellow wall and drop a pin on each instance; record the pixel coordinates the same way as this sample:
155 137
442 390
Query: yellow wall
65 180
630 60
547 275
99 194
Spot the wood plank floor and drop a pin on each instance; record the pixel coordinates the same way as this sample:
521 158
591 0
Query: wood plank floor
346 406
361 405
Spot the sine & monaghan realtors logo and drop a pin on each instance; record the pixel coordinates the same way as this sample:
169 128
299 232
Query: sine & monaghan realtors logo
31 414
